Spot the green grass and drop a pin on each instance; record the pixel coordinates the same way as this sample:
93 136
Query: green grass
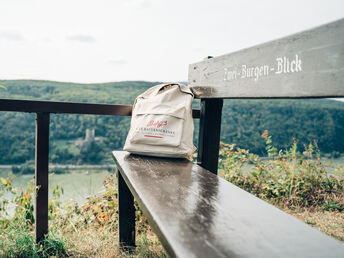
18 241
87 230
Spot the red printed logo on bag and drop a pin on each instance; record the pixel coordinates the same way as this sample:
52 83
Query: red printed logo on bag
157 124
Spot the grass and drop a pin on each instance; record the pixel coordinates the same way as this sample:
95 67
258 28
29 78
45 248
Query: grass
329 222
298 183
17 239
102 242
89 230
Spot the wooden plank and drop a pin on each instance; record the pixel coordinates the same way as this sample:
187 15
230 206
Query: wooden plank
209 134
35 106
307 64
198 214
126 214
41 175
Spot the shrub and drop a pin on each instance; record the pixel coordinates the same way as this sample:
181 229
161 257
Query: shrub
58 170
97 216
287 178
16 232
24 169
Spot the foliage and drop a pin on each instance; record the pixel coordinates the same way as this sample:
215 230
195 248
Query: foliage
16 231
58 170
6 185
24 169
93 152
288 178
70 225
242 123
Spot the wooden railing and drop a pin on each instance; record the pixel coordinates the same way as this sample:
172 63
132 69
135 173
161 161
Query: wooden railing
43 110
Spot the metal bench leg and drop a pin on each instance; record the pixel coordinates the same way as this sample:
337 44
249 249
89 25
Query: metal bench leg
126 213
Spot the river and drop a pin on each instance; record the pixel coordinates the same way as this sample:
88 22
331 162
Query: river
78 184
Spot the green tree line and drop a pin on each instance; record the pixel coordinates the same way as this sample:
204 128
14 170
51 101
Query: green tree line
243 122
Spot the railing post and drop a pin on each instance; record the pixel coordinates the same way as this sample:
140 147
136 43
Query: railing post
126 214
41 175
209 134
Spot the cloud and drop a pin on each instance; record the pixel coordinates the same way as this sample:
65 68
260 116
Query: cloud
82 38
198 49
116 62
140 4
12 36
144 4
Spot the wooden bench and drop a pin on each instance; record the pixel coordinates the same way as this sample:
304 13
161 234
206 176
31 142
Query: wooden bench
194 212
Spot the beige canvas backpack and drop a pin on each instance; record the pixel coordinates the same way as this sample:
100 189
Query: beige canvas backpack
161 123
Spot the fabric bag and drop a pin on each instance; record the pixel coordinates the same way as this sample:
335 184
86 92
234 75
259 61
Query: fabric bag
161 122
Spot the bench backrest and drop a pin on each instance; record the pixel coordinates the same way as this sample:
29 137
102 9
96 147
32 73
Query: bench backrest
309 64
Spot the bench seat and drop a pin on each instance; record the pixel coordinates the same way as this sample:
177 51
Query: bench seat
198 214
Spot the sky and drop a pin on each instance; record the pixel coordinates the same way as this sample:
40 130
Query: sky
154 40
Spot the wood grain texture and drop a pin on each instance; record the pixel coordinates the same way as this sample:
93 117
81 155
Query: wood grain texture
307 64
198 214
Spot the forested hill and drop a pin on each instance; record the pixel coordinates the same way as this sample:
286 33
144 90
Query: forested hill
113 92
243 122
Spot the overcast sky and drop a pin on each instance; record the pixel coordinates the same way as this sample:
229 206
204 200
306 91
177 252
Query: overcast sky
155 40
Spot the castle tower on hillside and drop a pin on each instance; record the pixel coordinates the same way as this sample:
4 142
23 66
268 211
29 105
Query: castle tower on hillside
90 133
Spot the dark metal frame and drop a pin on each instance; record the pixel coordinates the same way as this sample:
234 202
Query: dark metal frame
126 214
43 110
209 134
41 175
36 106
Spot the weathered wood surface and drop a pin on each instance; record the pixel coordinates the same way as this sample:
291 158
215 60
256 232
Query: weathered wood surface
16 105
198 214
307 64
41 175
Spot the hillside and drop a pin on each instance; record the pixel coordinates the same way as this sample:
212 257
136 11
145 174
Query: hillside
243 122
